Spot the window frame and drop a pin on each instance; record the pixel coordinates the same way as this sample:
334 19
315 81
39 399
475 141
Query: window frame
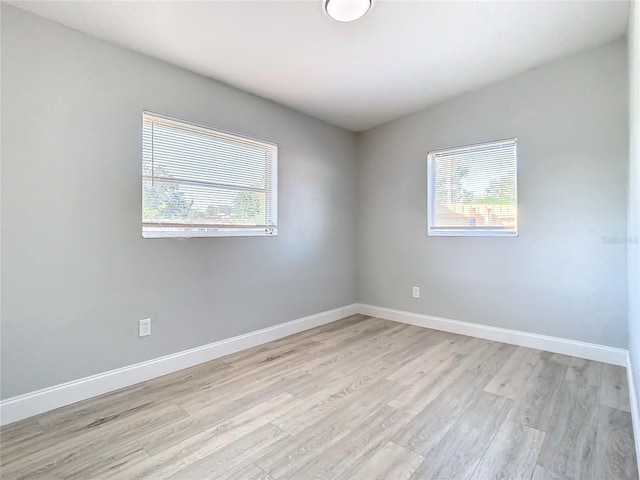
212 231
466 231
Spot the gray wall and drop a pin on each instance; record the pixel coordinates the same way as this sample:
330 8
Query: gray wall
634 193
559 277
76 274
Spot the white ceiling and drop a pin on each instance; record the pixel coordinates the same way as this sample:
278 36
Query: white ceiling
400 58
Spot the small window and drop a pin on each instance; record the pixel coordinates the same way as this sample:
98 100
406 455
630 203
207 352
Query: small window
199 182
473 190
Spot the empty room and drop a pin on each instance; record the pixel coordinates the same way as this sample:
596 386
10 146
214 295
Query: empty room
320 239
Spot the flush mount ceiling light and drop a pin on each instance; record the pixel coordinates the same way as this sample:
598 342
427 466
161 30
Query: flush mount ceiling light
347 10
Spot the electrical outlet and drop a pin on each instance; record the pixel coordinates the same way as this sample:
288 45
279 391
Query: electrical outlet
144 327
416 292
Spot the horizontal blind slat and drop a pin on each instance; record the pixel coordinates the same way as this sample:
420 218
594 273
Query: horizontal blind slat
474 188
194 176
149 118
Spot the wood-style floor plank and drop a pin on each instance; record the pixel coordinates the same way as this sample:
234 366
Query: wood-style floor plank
515 372
585 371
534 405
568 446
389 462
614 391
361 398
615 452
251 472
328 430
354 449
438 356
458 453
171 460
236 456
77 448
511 454
441 376
431 425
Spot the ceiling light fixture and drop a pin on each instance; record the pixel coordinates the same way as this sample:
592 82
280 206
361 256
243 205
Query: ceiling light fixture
347 10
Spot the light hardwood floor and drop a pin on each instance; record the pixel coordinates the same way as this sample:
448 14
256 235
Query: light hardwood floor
361 398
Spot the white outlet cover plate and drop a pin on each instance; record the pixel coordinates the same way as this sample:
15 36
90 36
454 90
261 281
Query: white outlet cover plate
144 328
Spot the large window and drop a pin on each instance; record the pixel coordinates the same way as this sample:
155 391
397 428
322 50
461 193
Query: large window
473 190
199 182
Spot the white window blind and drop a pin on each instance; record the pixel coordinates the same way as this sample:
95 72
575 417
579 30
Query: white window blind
199 182
473 190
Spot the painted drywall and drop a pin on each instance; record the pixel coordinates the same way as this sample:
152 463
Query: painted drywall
634 192
77 275
565 275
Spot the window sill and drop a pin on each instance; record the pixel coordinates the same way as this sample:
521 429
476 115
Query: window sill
224 233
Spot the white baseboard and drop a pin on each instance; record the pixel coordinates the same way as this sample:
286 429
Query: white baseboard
589 351
635 415
34 403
